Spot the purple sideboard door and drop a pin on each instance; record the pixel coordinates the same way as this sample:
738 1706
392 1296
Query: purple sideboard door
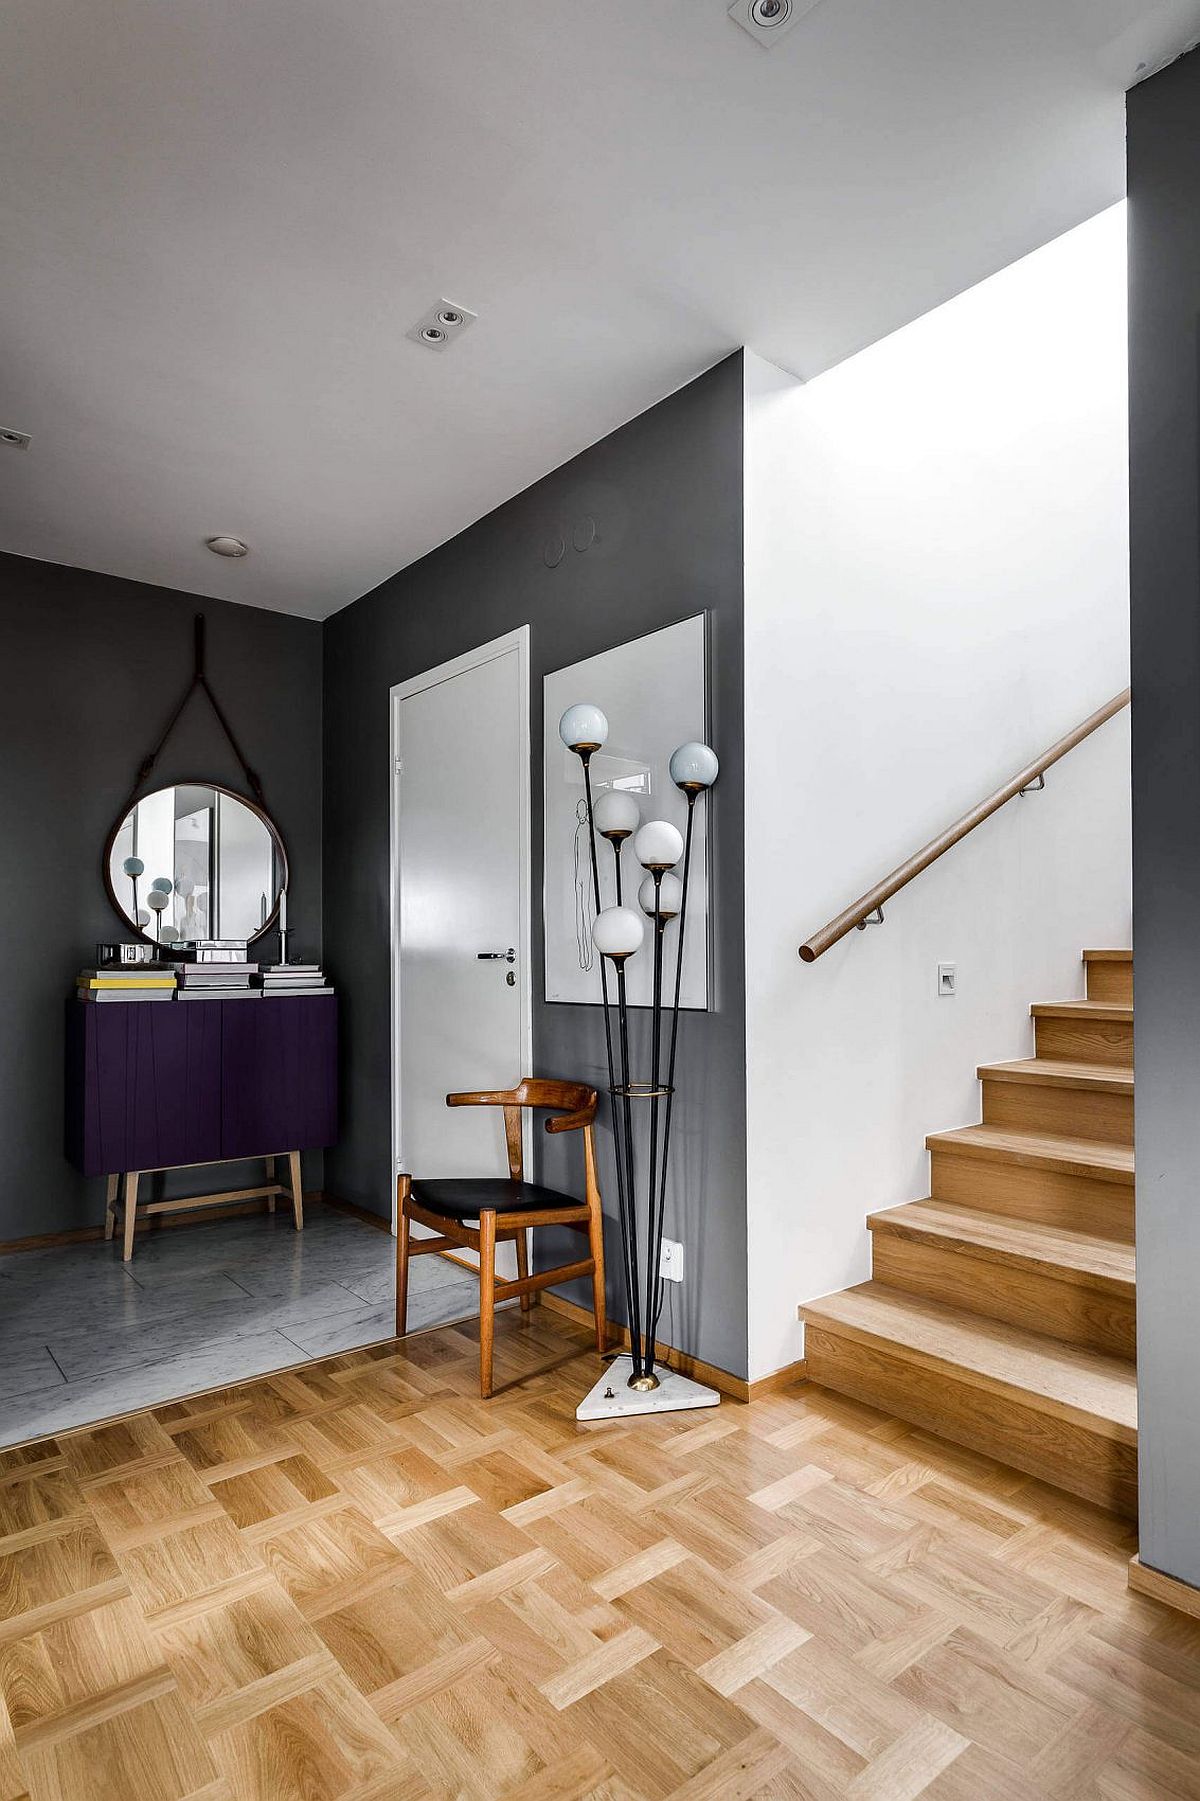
279 1075
143 1085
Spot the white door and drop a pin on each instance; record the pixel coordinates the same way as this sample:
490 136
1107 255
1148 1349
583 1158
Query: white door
460 861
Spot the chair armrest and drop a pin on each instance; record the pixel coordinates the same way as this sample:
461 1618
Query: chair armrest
499 1097
570 1122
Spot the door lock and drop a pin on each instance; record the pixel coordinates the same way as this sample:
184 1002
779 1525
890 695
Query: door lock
508 956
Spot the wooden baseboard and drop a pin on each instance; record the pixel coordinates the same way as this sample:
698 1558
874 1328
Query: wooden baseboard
159 1222
736 1387
352 1207
769 1385
1168 1589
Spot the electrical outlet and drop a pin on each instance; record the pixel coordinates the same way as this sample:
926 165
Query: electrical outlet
670 1262
947 978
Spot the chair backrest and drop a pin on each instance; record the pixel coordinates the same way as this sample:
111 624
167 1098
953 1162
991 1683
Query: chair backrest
572 1106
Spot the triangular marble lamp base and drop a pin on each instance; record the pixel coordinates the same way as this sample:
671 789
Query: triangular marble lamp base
611 1398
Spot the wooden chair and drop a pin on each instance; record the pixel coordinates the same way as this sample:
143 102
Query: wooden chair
505 1208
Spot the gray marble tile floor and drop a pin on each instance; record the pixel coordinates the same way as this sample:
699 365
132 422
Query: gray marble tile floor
84 1336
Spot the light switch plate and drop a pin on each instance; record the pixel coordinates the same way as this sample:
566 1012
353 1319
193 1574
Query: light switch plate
670 1262
947 980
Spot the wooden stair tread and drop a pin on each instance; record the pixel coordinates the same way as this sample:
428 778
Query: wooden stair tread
1108 956
1095 1078
1039 1150
1055 1251
1105 1010
1084 1387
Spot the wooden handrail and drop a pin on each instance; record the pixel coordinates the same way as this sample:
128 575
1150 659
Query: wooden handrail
872 901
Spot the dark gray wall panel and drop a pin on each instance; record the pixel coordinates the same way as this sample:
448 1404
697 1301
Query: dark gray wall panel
1164 222
665 492
90 669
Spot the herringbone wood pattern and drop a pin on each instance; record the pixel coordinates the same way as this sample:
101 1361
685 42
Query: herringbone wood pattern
359 1580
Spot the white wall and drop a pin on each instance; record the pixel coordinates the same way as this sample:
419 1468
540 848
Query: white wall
936 590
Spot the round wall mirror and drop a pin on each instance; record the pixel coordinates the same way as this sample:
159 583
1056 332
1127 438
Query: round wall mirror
195 861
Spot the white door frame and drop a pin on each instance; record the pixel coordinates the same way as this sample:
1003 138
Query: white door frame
517 640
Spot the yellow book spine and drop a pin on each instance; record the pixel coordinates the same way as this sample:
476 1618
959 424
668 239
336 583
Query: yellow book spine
130 982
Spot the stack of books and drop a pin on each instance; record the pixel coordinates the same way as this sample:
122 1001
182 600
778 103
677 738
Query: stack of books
217 981
294 978
141 982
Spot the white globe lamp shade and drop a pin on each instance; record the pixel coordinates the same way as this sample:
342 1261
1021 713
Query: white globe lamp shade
618 932
617 814
133 866
670 897
583 727
694 767
162 884
658 845
143 918
157 899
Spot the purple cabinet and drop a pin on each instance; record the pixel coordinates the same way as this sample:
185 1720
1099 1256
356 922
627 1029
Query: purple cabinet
150 1084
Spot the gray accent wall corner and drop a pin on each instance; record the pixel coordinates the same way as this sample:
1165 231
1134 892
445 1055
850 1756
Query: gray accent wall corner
91 667
1164 240
665 494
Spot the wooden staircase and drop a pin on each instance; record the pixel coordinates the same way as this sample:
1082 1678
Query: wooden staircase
1000 1313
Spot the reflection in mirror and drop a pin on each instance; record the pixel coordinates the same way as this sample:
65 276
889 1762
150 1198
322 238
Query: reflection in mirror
194 862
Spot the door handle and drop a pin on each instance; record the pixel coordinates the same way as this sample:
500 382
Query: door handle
508 956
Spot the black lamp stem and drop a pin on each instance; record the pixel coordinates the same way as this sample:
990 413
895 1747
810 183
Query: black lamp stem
635 1323
662 1197
653 1238
624 1202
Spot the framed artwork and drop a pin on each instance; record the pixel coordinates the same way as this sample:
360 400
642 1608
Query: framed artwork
654 691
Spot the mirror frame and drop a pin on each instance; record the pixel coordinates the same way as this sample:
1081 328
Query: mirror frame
217 788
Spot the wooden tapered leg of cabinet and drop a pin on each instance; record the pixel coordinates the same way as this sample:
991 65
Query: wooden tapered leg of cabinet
129 1205
270 1178
110 1205
297 1191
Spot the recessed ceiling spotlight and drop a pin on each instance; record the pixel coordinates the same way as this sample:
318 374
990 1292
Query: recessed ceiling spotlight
16 440
442 324
769 20
222 546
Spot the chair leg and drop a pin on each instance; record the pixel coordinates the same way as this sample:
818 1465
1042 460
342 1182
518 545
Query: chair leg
596 1247
110 1206
522 1243
487 1300
403 1184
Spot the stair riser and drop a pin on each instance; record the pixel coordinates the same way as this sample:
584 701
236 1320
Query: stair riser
1085 1041
1098 1468
1110 982
1081 1203
1095 1319
1071 1112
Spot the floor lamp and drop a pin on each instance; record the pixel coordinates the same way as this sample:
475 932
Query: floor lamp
633 1382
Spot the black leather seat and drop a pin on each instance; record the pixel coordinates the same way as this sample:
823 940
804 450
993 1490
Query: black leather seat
466 1197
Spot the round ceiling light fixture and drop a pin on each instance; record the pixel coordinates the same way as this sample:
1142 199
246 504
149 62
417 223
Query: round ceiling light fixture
433 334
770 12
450 315
222 546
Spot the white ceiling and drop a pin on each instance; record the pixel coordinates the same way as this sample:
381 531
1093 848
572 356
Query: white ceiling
218 218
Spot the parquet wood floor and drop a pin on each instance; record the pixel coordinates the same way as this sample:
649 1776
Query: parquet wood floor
357 1579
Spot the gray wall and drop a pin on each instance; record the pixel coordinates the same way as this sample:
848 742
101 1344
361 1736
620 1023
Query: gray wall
91 668
666 494
1164 224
